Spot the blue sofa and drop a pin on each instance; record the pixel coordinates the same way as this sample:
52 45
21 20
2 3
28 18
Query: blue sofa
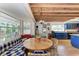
75 41
61 35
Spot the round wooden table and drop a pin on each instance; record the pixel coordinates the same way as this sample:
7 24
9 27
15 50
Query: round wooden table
35 44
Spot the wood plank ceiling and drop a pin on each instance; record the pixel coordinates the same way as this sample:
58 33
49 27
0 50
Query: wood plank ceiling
55 11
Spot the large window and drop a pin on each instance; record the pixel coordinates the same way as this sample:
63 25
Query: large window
9 29
57 27
27 28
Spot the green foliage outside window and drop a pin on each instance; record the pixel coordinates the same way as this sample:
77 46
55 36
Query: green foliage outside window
8 30
13 28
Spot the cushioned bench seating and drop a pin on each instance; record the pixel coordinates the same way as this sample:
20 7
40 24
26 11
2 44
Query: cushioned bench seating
26 36
61 35
13 48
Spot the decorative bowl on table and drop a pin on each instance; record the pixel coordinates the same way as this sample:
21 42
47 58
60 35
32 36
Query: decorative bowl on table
38 38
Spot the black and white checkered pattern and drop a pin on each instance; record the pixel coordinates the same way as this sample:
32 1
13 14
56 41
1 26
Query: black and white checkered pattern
13 48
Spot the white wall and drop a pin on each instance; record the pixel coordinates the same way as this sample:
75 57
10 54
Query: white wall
30 21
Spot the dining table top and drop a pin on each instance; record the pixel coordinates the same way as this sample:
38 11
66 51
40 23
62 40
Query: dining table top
36 44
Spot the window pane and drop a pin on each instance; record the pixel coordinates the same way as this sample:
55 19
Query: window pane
9 30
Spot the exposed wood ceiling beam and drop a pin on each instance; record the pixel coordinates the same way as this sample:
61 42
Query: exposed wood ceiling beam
55 11
62 19
54 5
55 8
58 15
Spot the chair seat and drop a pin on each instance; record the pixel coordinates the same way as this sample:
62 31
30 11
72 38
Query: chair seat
39 54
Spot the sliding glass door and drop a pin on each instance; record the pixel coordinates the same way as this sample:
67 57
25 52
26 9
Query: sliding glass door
9 30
